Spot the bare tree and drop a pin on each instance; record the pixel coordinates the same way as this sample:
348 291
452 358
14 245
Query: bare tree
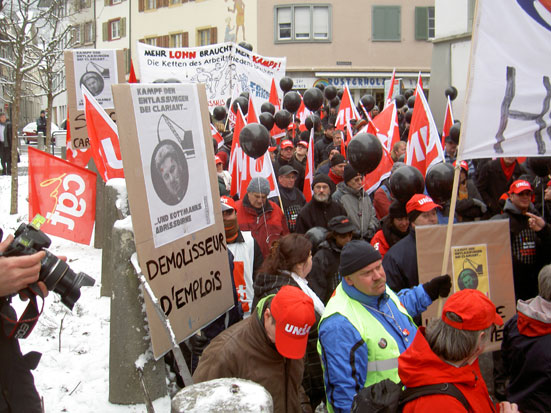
20 23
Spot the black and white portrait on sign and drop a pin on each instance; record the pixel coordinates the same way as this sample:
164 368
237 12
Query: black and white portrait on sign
97 70
172 147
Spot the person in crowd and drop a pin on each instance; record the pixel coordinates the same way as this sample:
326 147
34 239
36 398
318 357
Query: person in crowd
366 326
262 217
17 390
286 157
336 172
267 348
224 152
41 123
398 150
495 178
325 166
301 151
382 197
289 262
530 239
292 198
400 261
469 206
357 204
5 144
324 276
447 353
450 149
321 207
525 349
320 147
395 226
224 177
247 256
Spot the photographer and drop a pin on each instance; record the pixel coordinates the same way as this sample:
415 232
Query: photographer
17 390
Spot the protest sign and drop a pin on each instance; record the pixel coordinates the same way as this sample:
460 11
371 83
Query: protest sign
226 69
98 70
63 193
481 259
173 195
507 105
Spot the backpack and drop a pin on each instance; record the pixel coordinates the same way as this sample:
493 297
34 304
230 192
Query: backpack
389 397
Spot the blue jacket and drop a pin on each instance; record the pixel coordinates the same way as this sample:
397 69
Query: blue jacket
339 340
400 264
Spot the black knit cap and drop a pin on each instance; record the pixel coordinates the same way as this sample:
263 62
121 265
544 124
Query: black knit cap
356 255
349 173
325 179
337 159
397 210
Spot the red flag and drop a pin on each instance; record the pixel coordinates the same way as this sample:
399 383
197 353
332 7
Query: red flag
236 154
347 110
132 76
343 149
423 148
104 138
65 194
79 157
259 167
386 126
216 135
309 170
276 132
390 89
251 113
302 113
419 84
448 122
374 179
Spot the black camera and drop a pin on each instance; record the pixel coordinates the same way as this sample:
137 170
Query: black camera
54 272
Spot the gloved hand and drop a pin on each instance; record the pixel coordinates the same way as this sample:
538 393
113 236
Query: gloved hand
480 204
438 287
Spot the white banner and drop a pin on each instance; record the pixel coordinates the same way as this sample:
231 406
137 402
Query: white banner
225 68
97 71
508 98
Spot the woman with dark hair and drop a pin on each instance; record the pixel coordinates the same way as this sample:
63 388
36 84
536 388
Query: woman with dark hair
289 262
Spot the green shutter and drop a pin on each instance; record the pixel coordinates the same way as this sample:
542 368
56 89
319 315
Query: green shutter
421 23
105 32
107 3
386 23
123 27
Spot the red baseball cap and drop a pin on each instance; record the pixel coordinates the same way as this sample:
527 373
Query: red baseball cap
227 203
548 183
217 160
520 186
475 309
305 144
293 312
463 164
287 144
421 202
272 148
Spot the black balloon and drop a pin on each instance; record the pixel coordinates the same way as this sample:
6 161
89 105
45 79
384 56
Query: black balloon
368 101
340 92
541 166
219 113
335 102
411 102
312 121
267 107
365 152
330 92
409 115
291 101
439 182
266 119
313 99
246 45
254 139
451 92
405 182
320 86
455 131
282 118
408 93
400 101
245 95
242 102
286 84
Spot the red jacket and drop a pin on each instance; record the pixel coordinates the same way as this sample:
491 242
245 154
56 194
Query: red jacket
380 243
419 366
265 233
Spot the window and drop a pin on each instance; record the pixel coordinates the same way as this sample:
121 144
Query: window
386 24
116 2
179 40
115 29
152 41
89 32
424 23
76 35
302 23
150 4
206 36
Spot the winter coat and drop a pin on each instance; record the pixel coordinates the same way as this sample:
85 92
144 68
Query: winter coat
324 276
387 236
526 355
492 183
245 351
292 200
317 214
359 209
266 226
419 366
400 263
530 250
320 150
382 201
472 207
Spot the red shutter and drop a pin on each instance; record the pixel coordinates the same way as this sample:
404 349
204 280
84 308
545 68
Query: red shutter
213 35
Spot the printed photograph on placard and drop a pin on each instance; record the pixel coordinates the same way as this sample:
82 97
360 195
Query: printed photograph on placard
172 148
97 70
470 268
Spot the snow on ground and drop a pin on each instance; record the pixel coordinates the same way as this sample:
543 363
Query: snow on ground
73 375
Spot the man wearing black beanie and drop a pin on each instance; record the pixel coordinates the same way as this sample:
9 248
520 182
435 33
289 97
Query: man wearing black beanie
366 326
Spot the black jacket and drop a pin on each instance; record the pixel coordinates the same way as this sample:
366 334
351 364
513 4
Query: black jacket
320 150
324 276
292 201
400 264
317 214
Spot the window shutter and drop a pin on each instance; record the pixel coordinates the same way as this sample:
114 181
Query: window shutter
123 27
141 40
185 39
88 3
141 5
386 23
107 3
213 35
105 28
421 23
82 33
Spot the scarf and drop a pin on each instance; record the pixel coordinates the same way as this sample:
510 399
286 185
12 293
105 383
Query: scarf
335 178
232 230
303 284
507 170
